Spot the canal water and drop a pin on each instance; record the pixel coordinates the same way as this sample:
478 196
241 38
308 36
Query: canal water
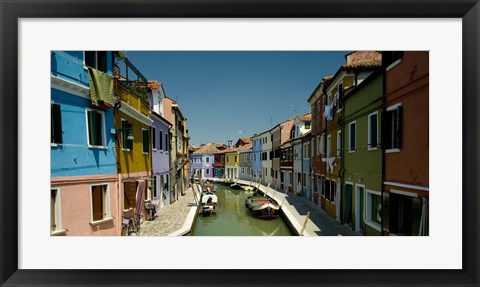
234 219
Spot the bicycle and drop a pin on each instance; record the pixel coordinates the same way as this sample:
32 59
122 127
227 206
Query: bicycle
130 225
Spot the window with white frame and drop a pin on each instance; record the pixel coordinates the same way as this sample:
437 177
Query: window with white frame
56 124
372 131
339 143
352 136
55 210
100 201
146 141
392 138
207 171
207 159
373 209
95 128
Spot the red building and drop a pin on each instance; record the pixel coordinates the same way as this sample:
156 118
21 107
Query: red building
405 129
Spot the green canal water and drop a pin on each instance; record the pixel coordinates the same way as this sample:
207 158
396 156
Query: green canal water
233 219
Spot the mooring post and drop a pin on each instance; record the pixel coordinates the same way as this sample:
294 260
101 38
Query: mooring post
305 223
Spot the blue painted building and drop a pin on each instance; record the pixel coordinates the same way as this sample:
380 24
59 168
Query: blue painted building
83 162
202 161
257 156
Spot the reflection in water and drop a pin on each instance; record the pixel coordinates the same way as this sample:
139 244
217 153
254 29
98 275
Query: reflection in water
233 219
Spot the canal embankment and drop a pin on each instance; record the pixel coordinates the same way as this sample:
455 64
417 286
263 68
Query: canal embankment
175 219
295 210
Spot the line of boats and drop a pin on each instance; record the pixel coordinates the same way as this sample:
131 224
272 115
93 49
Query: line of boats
262 207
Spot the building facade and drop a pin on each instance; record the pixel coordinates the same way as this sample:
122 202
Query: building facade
83 161
362 159
405 143
160 188
202 162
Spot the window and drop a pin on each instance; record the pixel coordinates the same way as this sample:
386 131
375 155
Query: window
322 144
100 202
55 210
330 189
95 127
372 130
154 138
167 143
154 187
339 143
146 141
96 60
235 159
227 158
207 171
392 138
127 129
129 195
329 146
373 209
307 125
56 124
223 158
160 141
352 135
207 159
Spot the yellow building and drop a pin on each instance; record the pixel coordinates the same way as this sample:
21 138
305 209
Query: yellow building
232 164
133 145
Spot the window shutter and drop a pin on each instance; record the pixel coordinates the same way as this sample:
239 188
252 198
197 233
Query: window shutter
56 124
92 126
129 195
146 141
398 128
386 130
129 142
97 202
98 129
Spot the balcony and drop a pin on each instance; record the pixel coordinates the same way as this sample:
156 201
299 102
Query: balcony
130 84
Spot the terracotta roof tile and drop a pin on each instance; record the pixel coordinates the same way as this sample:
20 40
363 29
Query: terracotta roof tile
207 149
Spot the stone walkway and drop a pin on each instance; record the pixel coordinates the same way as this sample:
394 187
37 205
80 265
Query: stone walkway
173 219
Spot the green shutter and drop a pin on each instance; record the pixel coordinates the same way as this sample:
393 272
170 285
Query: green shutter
146 141
92 127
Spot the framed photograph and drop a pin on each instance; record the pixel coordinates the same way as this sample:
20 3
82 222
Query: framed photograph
33 31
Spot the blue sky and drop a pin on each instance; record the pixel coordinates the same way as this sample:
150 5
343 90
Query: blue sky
230 94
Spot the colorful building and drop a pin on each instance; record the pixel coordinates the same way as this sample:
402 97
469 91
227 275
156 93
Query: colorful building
362 159
160 188
306 176
358 67
202 161
219 164
405 143
132 129
245 153
317 165
84 192
232 164
301 126
257 157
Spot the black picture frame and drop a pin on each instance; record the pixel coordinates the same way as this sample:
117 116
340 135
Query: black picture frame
11 11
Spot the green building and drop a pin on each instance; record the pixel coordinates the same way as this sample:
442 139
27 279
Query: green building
362 160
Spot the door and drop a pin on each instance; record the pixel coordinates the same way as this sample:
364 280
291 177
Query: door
348 204
359 208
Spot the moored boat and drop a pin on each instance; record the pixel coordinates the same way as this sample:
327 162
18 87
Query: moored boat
209 187
209 203
262 207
